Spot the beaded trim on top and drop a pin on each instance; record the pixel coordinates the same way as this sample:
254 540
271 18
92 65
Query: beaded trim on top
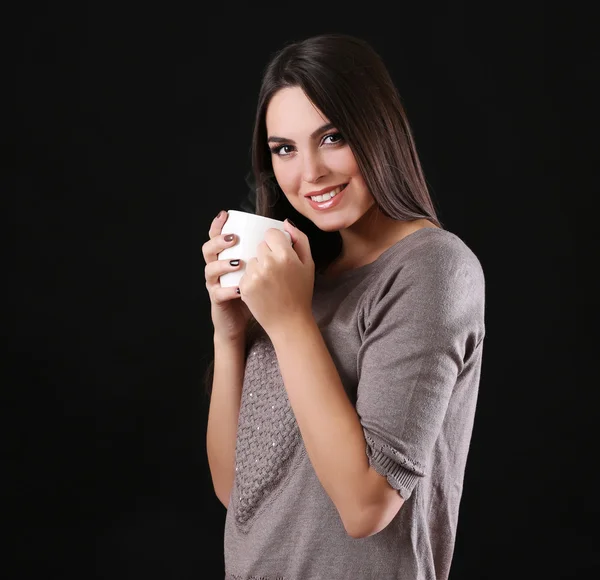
268 433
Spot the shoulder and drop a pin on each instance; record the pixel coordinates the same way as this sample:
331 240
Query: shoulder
435 253
435 246
431 281
428 265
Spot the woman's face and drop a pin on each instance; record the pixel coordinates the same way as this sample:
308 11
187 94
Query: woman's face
311 158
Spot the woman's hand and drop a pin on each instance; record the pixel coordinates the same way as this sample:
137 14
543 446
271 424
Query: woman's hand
229 315
278 284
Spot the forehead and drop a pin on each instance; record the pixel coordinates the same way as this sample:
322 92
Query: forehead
290 113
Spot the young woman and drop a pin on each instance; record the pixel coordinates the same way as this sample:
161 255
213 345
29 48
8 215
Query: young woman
346 367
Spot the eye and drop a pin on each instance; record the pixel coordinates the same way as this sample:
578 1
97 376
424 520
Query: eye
282 150
334 139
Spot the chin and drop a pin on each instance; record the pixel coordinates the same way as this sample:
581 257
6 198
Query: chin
332 223
331 229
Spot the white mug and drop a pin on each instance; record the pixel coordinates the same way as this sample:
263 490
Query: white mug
250 230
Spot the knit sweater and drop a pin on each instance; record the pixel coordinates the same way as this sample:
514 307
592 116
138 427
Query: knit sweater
406 335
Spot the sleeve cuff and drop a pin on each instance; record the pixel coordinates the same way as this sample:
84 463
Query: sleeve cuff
401 474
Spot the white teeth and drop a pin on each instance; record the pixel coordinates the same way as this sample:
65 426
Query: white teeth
327 196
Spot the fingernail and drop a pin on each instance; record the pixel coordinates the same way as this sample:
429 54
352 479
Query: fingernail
220 214
229 238
238 290
234 262
291 223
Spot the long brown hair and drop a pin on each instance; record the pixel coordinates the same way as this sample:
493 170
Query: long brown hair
348 82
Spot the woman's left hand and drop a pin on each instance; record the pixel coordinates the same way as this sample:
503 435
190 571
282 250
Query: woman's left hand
277 285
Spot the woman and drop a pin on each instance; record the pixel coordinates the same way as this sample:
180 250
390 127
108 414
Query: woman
346 367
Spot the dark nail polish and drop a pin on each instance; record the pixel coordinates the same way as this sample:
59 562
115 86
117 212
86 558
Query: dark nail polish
229 238
238 290
234 262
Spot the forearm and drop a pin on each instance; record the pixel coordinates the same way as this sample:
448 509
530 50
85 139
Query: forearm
223 415
330 427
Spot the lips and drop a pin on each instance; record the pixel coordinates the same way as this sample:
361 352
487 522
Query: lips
329 203
325 190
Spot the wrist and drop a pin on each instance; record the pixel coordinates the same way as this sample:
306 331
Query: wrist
228 342
301 324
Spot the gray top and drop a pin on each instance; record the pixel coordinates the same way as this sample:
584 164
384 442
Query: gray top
406 335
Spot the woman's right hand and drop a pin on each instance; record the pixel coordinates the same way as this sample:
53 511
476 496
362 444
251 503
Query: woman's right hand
230 315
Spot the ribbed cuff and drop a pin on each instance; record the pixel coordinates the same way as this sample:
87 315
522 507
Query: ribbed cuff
398 477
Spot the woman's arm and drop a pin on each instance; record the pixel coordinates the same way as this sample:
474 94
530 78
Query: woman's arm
332 432
223 415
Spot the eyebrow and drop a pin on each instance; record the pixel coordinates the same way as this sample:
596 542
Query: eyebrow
326 127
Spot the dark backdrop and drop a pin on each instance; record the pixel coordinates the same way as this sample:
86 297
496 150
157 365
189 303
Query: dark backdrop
133 131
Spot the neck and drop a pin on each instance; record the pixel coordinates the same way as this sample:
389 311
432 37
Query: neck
370 236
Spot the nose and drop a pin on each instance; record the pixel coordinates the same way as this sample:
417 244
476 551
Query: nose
312 167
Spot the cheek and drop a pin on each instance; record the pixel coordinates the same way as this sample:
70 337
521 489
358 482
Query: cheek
343 162
286 175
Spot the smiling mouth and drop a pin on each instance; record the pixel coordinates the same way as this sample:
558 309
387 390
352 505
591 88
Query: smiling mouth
329 195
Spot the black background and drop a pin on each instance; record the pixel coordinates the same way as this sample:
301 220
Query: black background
133 131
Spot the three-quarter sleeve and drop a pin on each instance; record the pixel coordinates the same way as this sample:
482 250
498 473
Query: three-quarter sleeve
422 323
